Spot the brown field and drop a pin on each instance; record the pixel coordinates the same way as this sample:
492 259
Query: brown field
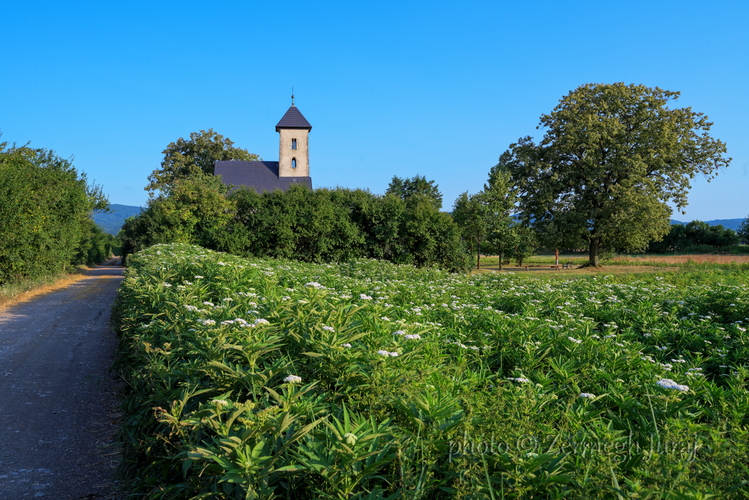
540 264
576 270
683 259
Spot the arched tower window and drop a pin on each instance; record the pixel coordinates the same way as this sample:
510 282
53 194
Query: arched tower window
293 163
293 144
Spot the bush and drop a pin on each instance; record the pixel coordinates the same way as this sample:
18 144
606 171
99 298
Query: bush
325 225
45 207
701 249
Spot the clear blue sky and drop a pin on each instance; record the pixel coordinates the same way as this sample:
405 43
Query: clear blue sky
390 88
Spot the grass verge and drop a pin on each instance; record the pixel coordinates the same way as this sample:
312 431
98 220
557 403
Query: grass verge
27 289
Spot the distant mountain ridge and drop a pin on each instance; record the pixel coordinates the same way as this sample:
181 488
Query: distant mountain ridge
726 223
113 221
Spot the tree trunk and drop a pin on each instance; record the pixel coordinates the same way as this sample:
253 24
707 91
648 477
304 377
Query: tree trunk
478 254
594 243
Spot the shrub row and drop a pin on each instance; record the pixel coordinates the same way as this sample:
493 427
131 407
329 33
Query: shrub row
45 207
324 225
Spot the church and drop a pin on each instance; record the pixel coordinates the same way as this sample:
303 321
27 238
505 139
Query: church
291 168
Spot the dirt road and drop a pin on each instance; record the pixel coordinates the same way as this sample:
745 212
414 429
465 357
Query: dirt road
58 407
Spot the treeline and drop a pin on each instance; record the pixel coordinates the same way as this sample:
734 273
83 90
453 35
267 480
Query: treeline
696 237
45 207
404 226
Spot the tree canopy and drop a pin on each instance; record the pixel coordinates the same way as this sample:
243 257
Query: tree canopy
696 236
612 158
418 185
194 158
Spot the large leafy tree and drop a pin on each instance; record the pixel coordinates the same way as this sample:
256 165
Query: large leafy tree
612 158
195 211
418 185
194 158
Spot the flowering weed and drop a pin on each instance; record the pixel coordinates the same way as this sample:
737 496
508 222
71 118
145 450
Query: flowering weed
269 378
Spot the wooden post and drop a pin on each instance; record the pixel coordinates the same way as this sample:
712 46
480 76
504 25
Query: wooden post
557 259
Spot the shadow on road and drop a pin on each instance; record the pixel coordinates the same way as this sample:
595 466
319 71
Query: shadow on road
111 267
105 271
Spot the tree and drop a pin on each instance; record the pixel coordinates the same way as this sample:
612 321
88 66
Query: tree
613 156
500 197
524 243
471 214
418 185
195 211
194 158
743 231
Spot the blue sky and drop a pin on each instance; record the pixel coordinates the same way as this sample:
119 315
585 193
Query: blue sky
390 88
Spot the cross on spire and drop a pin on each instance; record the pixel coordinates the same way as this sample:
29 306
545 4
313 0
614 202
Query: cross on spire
292 96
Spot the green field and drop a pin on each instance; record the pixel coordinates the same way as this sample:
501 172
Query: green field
276 379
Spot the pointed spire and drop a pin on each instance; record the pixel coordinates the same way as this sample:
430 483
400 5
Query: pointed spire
292 96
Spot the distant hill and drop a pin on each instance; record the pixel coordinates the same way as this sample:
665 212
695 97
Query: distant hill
113 221
726 223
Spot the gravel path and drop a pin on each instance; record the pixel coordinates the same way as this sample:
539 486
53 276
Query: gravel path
58 401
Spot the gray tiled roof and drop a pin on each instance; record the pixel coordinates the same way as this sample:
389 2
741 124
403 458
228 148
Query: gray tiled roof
293 119
262 175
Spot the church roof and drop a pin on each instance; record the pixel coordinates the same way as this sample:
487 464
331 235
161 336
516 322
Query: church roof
262 175
293 119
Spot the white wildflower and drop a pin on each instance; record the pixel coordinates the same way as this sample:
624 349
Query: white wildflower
383 352
293 379
667 383
350 439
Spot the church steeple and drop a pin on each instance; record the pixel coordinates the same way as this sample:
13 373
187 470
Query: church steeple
293 153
